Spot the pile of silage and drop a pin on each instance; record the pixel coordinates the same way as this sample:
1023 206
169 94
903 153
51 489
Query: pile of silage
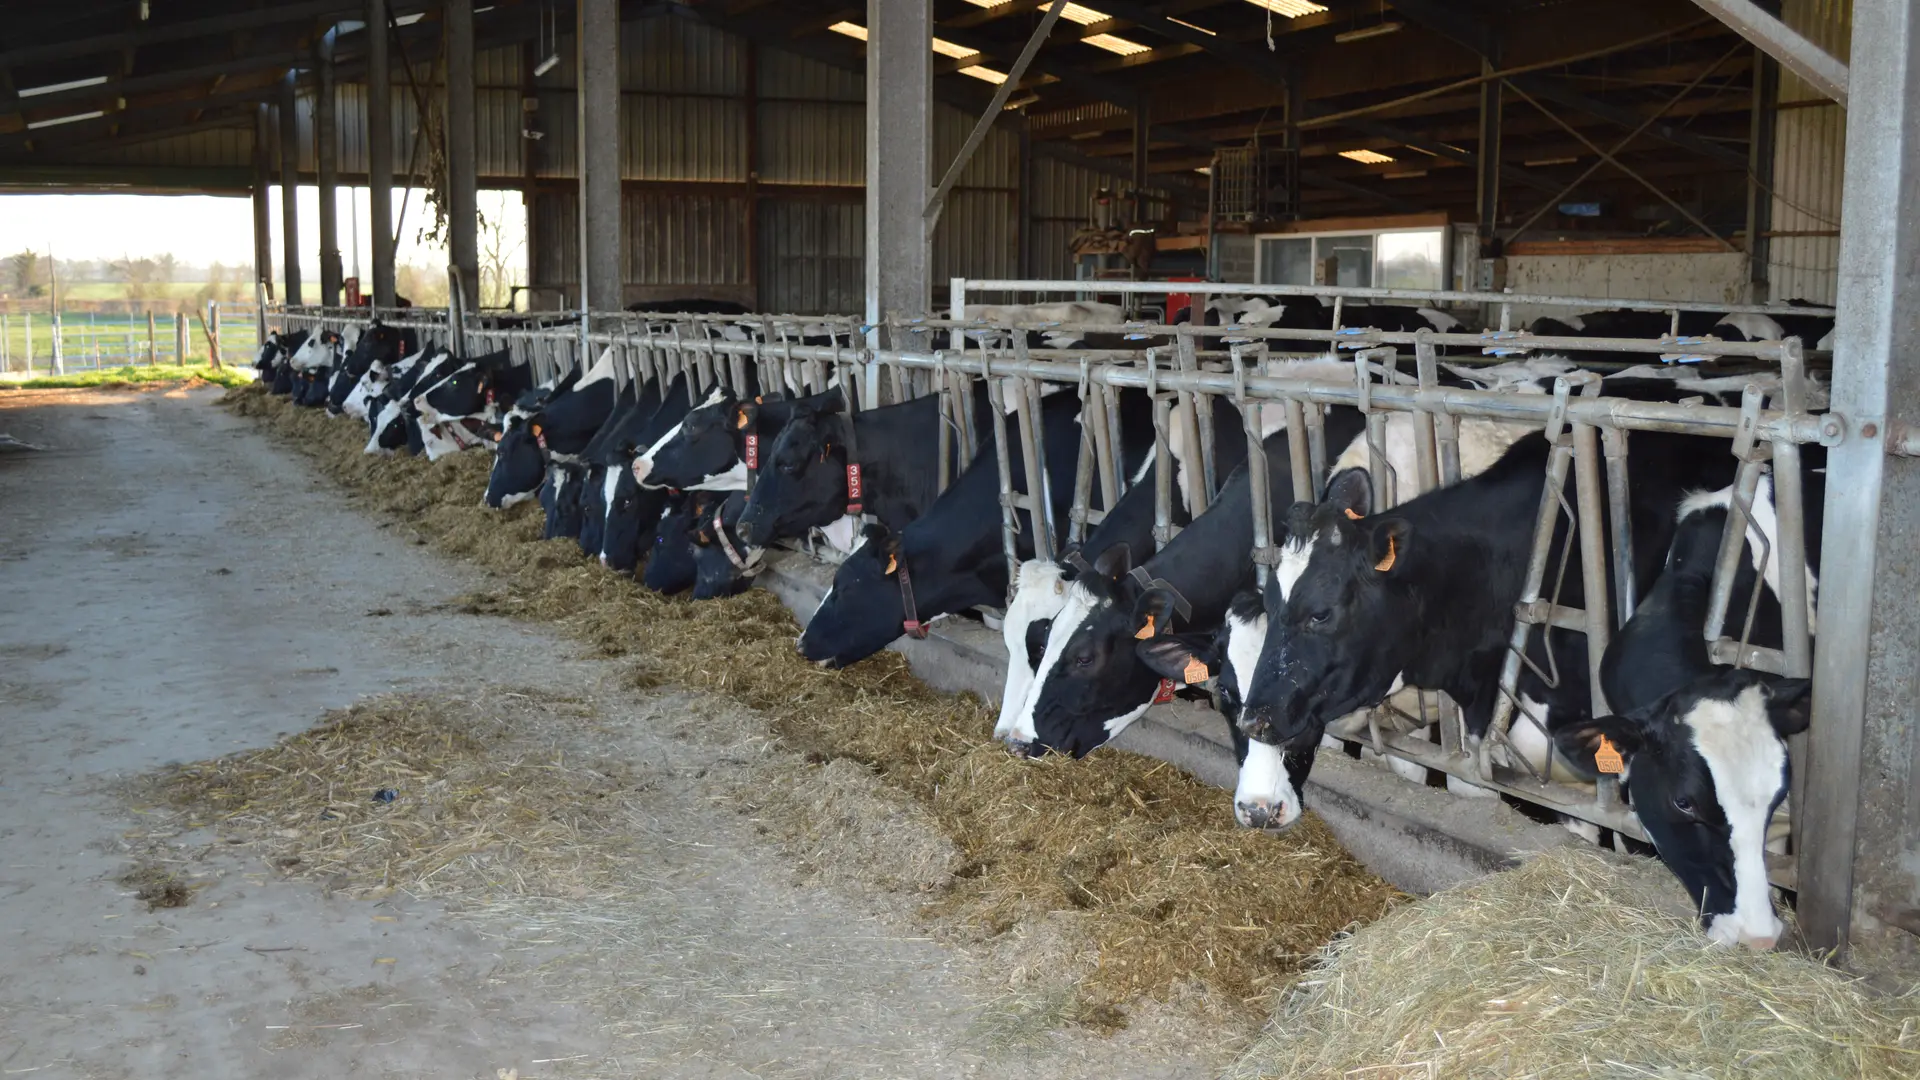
1577 964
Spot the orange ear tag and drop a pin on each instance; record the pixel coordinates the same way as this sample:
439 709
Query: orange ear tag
893 563
1351 516
1607 760
1146 631
741 420
1386 564
1196 672
536 430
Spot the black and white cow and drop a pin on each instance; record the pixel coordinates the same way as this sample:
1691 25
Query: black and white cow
1311 313
672 564
632 511
390 415
708 449
593 494
274 364
726 564
1423 594
949 559
552 429
456 412
378 344
805 481
312 365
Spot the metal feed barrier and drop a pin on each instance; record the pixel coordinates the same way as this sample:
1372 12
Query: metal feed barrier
1178 364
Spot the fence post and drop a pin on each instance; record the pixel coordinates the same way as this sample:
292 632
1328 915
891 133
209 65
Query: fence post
59 361
213 334
180 339
29 317
153 342
6 344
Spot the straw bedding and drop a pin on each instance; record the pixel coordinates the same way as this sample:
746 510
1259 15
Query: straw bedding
1578 964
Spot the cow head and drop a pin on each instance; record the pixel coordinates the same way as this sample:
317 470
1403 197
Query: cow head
519 465
1705 768
1091 682
1039 592
864 610
1336 609
593 510
727 563
803 479
633 513
703 452
671 567
1272 779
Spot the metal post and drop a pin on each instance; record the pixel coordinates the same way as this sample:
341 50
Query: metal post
1856 848
259 313
1487 189
463 248
380 152
1427 368
899 254
1620 507
6 344
326 157
290 191
1589 494
1009 517
599 108
1760 150
262 181
28 316
1199 411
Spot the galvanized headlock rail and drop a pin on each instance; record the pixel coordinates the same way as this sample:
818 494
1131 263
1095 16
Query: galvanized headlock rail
1587 433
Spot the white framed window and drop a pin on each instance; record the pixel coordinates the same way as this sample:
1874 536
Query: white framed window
1383 258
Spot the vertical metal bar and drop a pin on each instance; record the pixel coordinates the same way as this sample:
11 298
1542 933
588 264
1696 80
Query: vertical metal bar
290 191
1426 450
1162 471
1033 451
1094 418
1589 497
1297 454
1789 501
326 157
1746 482
463 246
1555 483
153 340
1083 472
1317 450
262 181
380 152
1009 516
1199 410
1620 521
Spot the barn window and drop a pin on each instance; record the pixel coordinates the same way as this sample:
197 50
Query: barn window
1386 258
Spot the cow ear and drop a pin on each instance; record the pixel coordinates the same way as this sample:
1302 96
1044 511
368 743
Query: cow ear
1387 543
1153 614
1591 743
1184 658
1351 493
1789 705
1115 562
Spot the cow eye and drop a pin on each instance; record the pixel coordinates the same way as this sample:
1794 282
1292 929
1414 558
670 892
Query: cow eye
1083 660
1320 618
1683 804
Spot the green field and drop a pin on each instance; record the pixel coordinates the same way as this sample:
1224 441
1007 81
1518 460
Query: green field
124 376
82 332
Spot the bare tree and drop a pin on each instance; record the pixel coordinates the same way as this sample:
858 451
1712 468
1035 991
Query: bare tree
498 253
26 273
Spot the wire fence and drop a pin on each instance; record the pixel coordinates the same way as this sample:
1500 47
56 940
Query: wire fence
44 342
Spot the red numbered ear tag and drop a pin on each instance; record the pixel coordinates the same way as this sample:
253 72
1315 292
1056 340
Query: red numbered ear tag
1165 693
753 451
855 491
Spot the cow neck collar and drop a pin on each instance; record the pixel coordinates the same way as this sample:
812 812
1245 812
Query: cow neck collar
911 624
749 564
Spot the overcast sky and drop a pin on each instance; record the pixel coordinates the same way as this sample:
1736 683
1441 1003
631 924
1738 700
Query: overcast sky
201 229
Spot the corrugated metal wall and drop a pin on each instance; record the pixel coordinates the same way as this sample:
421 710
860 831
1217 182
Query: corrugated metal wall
812 256
689 243
1810 143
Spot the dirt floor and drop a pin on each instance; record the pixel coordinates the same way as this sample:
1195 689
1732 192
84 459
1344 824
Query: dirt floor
175 587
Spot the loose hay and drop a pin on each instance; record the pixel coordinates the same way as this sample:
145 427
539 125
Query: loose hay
1148 860
1577 964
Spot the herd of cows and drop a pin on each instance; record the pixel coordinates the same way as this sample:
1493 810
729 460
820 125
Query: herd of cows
687 489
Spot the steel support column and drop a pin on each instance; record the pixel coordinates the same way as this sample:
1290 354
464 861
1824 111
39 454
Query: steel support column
262 181
290 190
326 158
599 98
1760 142
1859 847
463 241
1487 191
1141 126
899 252
380 152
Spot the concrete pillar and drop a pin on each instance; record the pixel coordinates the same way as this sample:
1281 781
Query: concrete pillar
290 190
899 170
326 157
463 241
380 152
262 180
1859 843
601 274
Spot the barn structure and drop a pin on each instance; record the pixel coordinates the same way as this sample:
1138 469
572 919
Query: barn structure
825 158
